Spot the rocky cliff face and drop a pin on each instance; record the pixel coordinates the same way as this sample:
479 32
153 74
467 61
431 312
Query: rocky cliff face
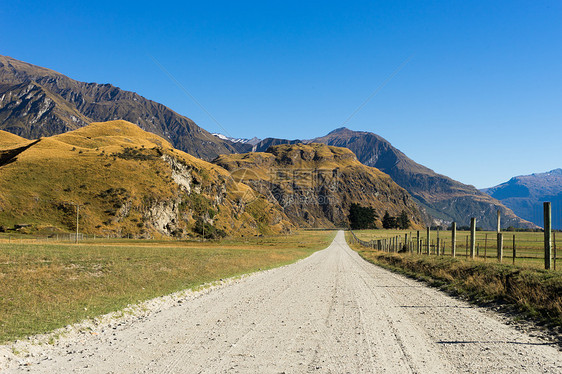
31 111
445 199
126 182
316 184
40 102
525 195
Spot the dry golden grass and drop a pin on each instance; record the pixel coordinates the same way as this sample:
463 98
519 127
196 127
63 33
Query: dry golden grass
9 140
46 286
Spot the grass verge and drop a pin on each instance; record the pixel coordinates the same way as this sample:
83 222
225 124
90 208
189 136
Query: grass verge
530 292
47 286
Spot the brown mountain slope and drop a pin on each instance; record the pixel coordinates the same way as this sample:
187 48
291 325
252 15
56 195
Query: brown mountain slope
316 184
126 181
444 198
83 102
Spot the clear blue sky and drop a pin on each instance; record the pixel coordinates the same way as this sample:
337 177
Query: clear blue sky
480 100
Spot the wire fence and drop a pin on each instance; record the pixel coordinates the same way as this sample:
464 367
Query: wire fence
525 248
519 248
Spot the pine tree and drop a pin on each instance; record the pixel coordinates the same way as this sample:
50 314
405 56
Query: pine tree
403 221
388 222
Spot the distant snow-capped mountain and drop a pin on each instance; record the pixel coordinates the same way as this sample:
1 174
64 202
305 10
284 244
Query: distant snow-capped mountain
252 141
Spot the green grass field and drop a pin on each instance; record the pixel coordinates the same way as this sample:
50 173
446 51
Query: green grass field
47 285
529 245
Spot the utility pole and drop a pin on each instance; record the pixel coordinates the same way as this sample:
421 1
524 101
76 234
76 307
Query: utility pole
77 221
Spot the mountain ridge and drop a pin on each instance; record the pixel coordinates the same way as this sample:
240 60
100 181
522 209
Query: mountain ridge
524 194
103 102
445 199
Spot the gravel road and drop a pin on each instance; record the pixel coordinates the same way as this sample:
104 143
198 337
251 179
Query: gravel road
330 313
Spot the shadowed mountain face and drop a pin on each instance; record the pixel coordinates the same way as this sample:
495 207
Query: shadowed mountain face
444 198
316 184
36 102
525 195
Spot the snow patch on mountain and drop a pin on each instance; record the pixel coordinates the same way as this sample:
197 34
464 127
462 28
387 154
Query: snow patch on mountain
252 141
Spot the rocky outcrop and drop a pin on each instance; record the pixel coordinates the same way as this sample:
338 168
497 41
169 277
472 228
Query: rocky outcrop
316 184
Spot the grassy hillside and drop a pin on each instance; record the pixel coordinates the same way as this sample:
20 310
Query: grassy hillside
9 140
126 181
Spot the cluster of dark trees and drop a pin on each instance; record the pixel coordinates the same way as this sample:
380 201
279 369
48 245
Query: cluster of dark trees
400 222
361 218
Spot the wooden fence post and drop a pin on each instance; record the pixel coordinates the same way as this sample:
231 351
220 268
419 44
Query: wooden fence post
454 240
466 247
500 247
554 242
418 244
472 236
499 222
514 250
485 246
428 242
547 235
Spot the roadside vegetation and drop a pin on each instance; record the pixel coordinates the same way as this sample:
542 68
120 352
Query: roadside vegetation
48 285
524 288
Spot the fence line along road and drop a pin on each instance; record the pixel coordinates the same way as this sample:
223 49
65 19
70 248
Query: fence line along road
529 247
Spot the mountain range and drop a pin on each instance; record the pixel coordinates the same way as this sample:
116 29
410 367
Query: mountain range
37 102
444 199
525 195
126 181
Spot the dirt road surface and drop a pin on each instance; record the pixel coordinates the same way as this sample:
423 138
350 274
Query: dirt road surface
330 313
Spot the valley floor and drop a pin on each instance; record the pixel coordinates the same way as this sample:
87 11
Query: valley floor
329 313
